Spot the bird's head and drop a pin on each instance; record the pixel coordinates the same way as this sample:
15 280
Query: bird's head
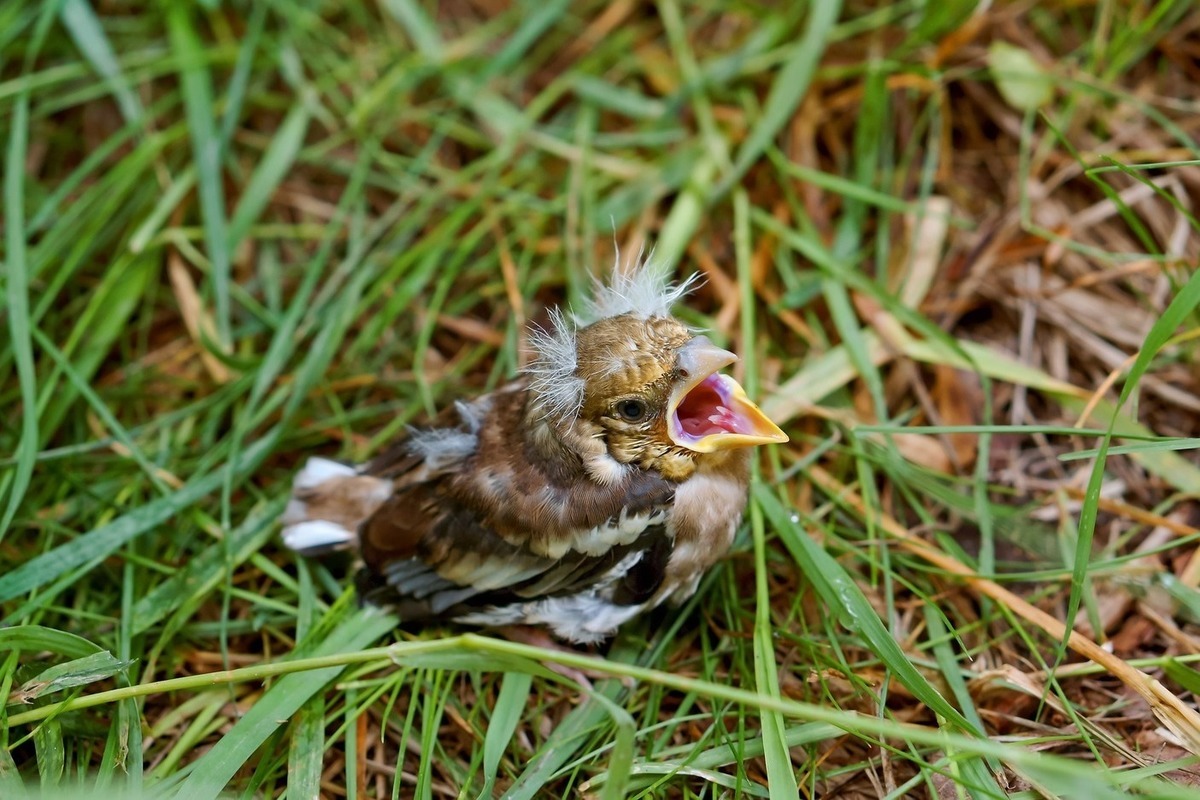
634 387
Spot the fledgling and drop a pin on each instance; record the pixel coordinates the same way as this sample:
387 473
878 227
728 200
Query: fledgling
603 482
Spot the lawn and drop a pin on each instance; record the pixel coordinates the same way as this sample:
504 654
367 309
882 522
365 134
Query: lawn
954 244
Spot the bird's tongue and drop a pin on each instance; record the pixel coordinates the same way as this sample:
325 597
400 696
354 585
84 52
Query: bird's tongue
716 415
703 413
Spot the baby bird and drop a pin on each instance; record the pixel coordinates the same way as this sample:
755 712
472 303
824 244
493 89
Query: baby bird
602 483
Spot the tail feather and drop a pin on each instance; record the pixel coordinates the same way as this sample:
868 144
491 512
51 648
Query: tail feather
329 501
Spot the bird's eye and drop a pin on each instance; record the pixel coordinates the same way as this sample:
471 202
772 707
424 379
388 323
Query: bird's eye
631 410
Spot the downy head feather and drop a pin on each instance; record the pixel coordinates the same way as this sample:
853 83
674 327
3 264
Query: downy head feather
645 291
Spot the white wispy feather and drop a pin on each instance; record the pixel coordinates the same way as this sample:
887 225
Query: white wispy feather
552 372
442 447
645 291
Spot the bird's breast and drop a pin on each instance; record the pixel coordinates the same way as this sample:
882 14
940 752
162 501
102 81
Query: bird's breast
708 508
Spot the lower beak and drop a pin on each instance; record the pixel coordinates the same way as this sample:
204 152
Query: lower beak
709 411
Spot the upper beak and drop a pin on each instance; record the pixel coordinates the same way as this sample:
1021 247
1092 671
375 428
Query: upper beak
708 411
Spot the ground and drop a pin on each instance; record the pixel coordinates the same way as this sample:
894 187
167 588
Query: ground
955 245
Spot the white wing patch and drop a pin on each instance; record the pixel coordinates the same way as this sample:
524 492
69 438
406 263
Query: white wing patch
622 529
318 470
316 534
583 618
305 529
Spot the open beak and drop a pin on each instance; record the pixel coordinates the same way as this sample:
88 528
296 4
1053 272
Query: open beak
709 411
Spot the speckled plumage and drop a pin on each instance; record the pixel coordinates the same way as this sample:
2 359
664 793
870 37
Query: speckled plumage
604 482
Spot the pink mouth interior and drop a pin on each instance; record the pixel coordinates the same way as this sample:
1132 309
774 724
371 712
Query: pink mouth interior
705 411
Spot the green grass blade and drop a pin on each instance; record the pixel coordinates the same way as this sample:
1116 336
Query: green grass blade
306 751
85 28
235 95
180 595
780 774
37 638
704 763
271 170
620 758
211 773
418 26
846 602
976 768
1167 445
103 412
51 754
100 325
350 742
179 187
107 539
196 83
634 105
842 313
16 281
11 784
788 88
507 713
80 672
16 275
686 214
566 739
68 190
122 750
1057 773
536 19
1180 307
490 108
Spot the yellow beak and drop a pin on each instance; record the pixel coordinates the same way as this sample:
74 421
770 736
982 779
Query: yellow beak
708 411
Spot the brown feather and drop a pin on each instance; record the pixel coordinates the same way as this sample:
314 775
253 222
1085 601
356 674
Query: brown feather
528 498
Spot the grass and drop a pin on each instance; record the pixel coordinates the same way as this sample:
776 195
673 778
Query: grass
955 245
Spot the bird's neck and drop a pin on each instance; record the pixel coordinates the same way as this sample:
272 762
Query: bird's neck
569 449
549 444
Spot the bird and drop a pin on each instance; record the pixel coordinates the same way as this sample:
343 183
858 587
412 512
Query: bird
602 482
